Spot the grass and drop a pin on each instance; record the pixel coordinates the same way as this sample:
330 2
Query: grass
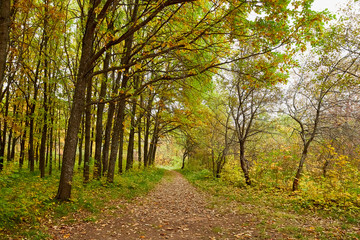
279 210
27 201
217 230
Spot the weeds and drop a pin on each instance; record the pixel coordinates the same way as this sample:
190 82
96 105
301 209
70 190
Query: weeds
26 199
281 210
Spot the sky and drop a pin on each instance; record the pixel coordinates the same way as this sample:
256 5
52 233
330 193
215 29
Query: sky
331 5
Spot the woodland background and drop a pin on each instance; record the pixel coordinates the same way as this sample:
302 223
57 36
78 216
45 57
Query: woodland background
260 95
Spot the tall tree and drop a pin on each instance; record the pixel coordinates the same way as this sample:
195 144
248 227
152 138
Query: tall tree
88 58
83 77
4 40
307 107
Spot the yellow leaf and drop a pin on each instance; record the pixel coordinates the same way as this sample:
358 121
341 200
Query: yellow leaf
137 66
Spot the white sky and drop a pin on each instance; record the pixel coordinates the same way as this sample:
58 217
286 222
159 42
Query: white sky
331 5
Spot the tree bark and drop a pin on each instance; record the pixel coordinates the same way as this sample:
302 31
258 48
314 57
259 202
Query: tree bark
51 144
3 138
58 137
109 123
92 136
147 129
99 121
81 140
243 163
121 144
44 130
4 39
146 140
130 151
118 130
8 152
43 133
23 140
105 153
13 139
139 131
31 139
183 159
118 125
13 145
299 170
87 151
78 104
213 162
153 153
153 144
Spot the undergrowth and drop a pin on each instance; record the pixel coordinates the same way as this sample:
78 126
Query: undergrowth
288 212
26 199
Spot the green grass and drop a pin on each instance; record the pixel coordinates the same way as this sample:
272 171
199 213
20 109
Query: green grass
278 209
217 230
26 200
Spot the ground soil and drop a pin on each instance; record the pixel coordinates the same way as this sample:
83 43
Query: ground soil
174 209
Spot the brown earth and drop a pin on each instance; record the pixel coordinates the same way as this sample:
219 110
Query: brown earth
173 210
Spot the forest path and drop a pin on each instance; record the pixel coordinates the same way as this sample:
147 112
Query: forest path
174 209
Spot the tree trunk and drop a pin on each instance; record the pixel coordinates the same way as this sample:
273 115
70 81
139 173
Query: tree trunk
43 133
31 152
67 168
218 169
183 159
3 138
51 144
155 137
37 152
130 151
99 121
87 150
220 164
22 143
139 132
31 139
92 136
146 140
8 152
81 140
4 40
153 143
121 147
106 147
243 163
78 104
13 145
118 129
118 125
299 170
11 141
213 162
147 129
151 147
153 154
45 99
59 146
55 148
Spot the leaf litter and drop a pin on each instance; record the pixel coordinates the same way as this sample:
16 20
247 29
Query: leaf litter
174 209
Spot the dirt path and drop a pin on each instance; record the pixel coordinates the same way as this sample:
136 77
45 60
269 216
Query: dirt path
173 210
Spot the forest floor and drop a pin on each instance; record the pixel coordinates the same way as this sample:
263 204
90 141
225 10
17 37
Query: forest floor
175 209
